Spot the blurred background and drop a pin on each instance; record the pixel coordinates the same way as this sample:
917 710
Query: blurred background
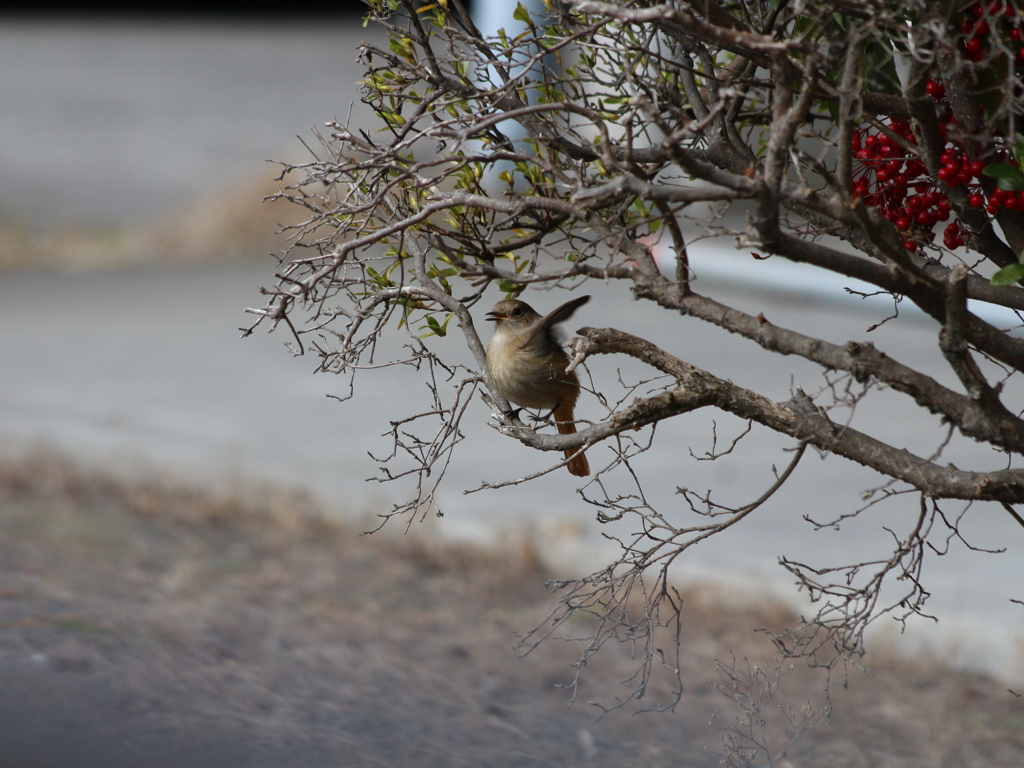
136 152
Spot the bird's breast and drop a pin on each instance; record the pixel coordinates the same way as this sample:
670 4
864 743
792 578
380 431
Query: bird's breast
534 377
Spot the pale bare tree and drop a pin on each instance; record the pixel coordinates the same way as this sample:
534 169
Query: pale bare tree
840 135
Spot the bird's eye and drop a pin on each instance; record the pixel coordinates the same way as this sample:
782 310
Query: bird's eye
517 312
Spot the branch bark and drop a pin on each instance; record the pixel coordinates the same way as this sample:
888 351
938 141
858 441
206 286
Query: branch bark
698 389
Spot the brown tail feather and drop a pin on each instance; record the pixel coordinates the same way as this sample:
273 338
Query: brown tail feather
578 464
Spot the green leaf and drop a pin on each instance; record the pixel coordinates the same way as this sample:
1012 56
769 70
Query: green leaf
833 110
1008 275
1009 176
878 67
523 15
434 328
511 290
1018 149
402 46
802 25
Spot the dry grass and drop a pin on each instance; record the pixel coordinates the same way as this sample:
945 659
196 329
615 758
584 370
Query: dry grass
153 625
230 223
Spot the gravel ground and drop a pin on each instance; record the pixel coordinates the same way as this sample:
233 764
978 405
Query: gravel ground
157 626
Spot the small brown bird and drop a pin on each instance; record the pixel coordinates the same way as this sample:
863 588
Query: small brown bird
527 365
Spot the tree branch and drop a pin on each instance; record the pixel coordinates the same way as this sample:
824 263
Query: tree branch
698 389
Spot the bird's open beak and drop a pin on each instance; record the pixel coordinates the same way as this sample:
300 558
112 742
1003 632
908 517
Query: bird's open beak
495 316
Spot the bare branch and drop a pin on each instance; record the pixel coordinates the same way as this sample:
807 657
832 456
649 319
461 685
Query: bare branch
844 138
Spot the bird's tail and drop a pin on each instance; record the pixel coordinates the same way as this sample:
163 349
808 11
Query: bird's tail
578 464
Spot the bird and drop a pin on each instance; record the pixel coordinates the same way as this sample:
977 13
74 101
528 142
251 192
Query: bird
527 365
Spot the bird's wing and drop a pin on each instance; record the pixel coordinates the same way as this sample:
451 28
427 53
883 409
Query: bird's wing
552 318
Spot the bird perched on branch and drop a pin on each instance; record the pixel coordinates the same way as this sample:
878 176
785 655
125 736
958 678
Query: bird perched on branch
527 365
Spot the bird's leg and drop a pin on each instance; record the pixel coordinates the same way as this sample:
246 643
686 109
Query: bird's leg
550 418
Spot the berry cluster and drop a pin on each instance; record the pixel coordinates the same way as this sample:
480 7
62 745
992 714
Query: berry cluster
977 27
892 179
898 185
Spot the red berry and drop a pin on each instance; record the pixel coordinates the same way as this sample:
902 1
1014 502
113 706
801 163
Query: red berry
1020 53
910 245
981 28
902 223
974 46
1015 34
900 180
992 207
924 219
1012 203
976 200
977 168
882 175
950 174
